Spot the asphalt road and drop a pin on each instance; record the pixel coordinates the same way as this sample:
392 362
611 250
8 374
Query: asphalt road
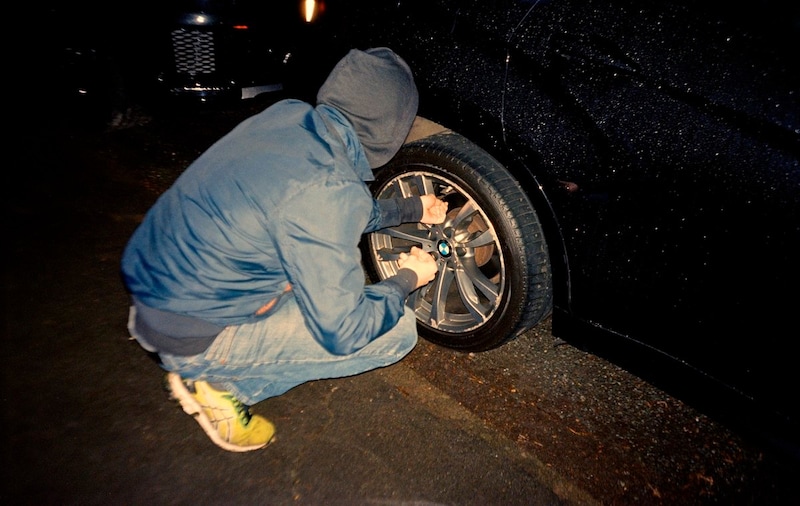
85 421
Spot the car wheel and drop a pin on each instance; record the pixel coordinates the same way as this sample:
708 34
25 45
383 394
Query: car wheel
494 280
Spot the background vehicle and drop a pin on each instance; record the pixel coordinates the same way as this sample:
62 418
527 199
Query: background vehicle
108 57
236 48
632 169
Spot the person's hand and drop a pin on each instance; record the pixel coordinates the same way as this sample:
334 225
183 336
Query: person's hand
434 210
421 263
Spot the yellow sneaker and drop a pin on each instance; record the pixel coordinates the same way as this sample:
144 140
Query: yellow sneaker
227 421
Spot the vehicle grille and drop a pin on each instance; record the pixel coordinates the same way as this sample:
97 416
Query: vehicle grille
194 52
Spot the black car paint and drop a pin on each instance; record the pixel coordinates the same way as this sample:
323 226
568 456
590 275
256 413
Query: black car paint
660 144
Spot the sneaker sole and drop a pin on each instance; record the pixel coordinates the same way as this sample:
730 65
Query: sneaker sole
192 407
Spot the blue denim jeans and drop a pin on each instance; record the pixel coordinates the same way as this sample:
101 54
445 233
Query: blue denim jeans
261 360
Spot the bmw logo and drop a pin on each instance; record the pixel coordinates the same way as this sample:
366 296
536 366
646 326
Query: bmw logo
444 248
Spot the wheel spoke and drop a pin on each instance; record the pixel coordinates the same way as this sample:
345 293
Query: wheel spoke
425 185
489 289
468 295
439 290
407 234
464 217
419 184
481 239
422 237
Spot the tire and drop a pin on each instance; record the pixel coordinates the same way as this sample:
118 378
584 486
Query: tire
494 280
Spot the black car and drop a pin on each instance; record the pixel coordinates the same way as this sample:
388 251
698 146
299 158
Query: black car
630 168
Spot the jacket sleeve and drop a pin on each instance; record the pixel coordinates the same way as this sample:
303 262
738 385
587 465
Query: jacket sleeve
317 236
393 212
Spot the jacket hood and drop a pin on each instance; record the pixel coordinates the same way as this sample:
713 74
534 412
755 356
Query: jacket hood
375 90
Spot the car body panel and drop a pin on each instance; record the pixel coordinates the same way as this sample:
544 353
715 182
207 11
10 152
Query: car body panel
660 144
675 218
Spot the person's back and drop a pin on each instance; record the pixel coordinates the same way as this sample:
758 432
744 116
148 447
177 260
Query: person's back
210 247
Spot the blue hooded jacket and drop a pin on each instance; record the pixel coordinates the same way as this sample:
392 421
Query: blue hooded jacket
279 201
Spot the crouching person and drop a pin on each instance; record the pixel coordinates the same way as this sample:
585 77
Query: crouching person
245 275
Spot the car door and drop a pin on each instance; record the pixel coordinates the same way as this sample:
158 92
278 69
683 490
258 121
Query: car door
670 138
